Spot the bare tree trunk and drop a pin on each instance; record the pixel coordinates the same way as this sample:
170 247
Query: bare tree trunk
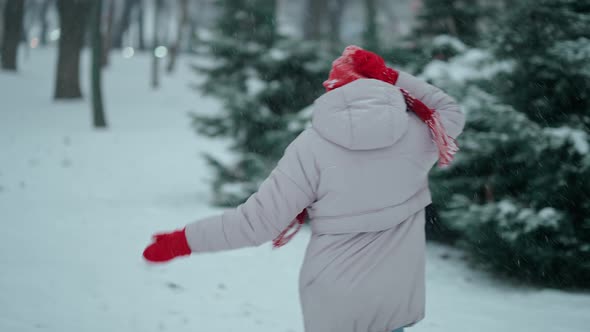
108 35
336 10
141 32
197 10
371 31
164 17
451 26
72 17
313 15
13 29
395 24
489 193
44 23
155 59
174 48
193 34
123 24
31 11
98 116
2 3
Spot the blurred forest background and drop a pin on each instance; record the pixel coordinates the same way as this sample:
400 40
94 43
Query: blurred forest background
517 198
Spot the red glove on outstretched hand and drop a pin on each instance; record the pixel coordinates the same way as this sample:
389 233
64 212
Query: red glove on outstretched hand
167 246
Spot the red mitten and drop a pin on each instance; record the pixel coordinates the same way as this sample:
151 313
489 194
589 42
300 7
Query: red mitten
167 246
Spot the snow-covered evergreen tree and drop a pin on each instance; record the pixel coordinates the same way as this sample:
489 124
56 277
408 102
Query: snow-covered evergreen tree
518 195
264 80
443 29
459 18
549 42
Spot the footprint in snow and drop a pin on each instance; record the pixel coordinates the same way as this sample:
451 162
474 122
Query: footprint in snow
66 163
174 286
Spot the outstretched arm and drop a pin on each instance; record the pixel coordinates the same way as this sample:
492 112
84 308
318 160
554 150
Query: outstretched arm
450 113
290 188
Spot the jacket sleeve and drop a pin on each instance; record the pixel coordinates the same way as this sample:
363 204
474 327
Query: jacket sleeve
290 188
450 113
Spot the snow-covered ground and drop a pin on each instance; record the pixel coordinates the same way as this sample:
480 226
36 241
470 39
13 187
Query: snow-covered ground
77 207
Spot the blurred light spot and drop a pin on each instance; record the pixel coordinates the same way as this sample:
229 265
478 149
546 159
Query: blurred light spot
34 42
161 51
128 52
54 35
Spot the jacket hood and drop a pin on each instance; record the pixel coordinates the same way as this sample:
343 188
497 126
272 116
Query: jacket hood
366 114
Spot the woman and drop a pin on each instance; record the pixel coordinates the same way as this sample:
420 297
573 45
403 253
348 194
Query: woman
361 173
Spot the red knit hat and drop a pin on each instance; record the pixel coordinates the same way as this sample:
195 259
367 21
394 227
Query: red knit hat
357 63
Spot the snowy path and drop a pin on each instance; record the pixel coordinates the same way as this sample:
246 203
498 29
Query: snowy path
77 207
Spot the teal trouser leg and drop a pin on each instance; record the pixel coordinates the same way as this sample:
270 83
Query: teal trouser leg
399 330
